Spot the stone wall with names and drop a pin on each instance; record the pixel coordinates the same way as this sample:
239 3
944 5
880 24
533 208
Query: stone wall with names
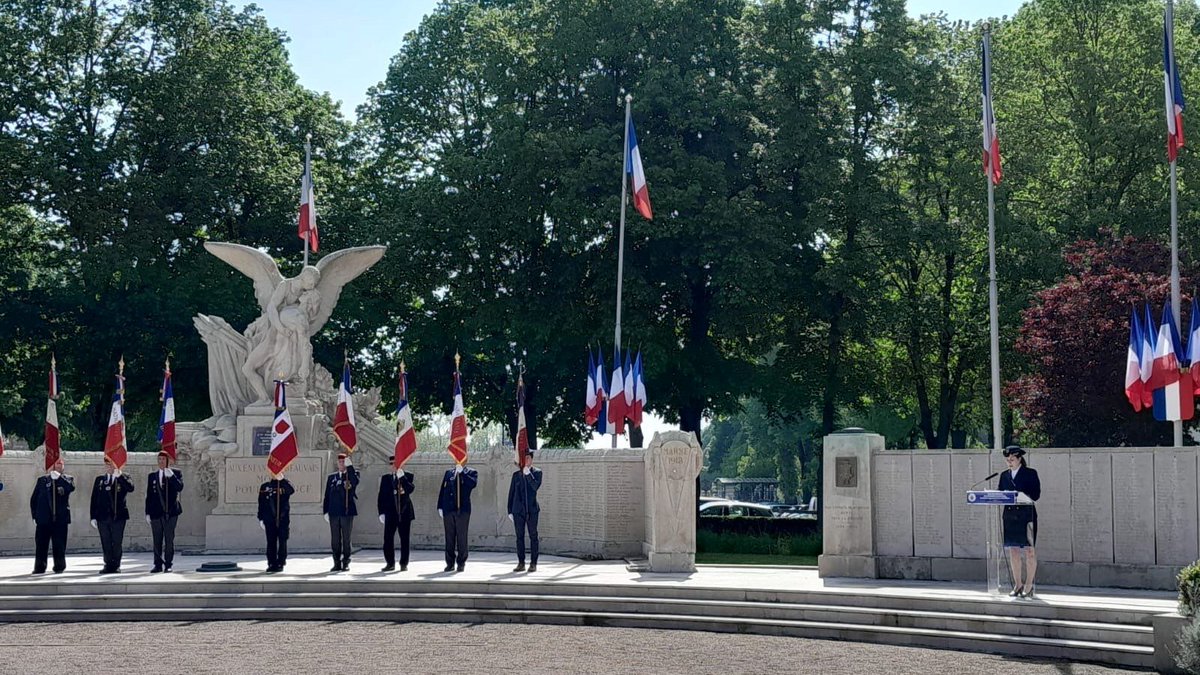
1175 515
1054 508
968 524
931 504
1133 508
1091 507
893 513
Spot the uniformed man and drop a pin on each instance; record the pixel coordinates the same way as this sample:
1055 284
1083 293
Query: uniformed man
340 507
109 513
454 507
50 507
523 509
163 508
274 517
396 513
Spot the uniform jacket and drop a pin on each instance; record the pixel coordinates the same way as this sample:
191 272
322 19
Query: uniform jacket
340 494
49 502
455 494
274 501
395 500
1026 481
108 499
524 504
162 500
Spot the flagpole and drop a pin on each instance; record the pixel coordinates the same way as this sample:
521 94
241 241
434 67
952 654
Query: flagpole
1178 424
305 185
993 308
621 247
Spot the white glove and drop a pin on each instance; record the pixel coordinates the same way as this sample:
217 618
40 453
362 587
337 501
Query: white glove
440 515
1023 498
349 462
147 518
116 473
327 517
399 473
526 470
510 518
458 468
262 526
94 525
55 475
381 517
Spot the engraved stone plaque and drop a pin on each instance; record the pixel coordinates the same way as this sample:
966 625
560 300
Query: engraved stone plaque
931 504
846 472
892 483
1092 506
1175 506
1133 507
244 475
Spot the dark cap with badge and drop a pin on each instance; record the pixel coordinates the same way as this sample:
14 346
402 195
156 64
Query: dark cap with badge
1014 451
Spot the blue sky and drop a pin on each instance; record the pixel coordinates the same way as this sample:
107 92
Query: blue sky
344 47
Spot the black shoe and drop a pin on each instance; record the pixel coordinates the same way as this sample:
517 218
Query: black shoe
449 568
1028 593
404 568
519 568
116 571
1015 593
106 570
337 567
533 567
345 565
389 567
167 568
156 570
58 571
461 567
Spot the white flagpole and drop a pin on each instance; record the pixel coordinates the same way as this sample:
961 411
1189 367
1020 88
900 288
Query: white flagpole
306 186
621 253
993 309
1170 83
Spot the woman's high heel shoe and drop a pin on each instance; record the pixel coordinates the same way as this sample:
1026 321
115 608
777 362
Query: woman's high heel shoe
1028 592
1015 593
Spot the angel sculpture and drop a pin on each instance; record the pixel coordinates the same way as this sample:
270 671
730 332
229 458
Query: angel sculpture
277 344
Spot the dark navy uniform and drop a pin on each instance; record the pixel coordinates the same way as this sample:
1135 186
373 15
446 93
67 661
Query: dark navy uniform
274 512
396 507
1020 520
110 513
524 509
50 508
341 493
163 508
454 502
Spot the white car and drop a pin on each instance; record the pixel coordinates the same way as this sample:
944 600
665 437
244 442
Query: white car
730 508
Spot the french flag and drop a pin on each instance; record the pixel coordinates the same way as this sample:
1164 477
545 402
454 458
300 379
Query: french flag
592 397
616 397
1193 348
630 387
991 141
343 418
166 420
1172 87
633 168
307 229
283 435
1173 394
114 438
1133 366
458 424
406 436
601 397
53 449
522 441
1146 358
639 400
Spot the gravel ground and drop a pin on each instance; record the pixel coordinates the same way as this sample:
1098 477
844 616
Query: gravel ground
374 647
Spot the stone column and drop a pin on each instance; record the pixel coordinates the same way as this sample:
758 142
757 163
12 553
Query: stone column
848 548
672 463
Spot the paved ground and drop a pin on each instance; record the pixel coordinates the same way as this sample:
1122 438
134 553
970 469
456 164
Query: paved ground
316 647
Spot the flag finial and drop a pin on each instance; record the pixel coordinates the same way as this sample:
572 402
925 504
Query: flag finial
121 365
457 360
308 137
401 366
168 364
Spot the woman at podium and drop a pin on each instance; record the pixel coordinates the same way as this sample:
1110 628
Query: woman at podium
1020 519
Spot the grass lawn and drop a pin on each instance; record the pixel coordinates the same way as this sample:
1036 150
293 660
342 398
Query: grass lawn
753 559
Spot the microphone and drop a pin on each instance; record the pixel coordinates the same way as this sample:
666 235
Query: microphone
985 479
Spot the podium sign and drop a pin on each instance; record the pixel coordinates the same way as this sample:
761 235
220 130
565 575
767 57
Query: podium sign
991 497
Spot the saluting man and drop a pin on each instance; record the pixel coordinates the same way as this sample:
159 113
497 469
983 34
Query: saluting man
340 506
274 517
163 508
396 513
109 513
454 507
50 507
523 509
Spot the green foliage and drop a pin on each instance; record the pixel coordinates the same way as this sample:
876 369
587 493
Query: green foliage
797 545
1187 650
752 444
1189 589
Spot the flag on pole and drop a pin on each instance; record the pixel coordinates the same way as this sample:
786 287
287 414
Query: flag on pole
991 141
630 386
344 426
1147 358
166 419
633 168
1 442
592 400
307 229
616 397
1193 348
458 420
283 435
406 436
601 396
639 398
1172 87
53 450
1173 397
115 445
522 440
1133 366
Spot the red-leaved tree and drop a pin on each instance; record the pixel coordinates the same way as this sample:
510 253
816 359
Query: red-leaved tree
1076 336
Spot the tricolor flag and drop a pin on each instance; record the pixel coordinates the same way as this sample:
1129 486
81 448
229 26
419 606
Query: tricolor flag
1193 348
991 141
307 229
406 436
591 406
115 446
1146 358
458 421
601 396
1133 367
633 168
344 426
1172 87
1173 397
630 386
166 419
52 447
522 440
639 400
283 435
616 397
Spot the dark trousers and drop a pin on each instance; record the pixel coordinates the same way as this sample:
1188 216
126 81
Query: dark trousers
523 523
456 525
339 538
45 535
112 536
392 527
163 530
277 543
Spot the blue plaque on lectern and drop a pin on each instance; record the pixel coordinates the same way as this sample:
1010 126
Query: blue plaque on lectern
987 497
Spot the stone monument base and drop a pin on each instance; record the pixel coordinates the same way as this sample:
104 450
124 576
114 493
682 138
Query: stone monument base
671 562
237 533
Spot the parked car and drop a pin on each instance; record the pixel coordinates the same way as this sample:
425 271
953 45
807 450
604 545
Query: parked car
731 508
